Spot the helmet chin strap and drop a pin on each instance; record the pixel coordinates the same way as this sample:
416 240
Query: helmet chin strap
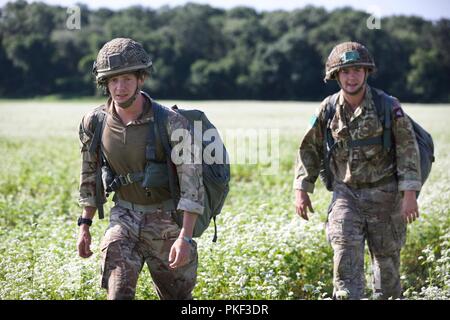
126 104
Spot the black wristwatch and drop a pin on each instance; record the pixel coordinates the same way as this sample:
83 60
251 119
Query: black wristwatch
82 220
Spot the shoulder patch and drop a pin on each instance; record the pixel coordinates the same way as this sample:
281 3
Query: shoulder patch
397 110
313 121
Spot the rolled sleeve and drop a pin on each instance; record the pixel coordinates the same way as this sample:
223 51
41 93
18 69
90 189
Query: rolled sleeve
303 185
87 202
190 206
412 185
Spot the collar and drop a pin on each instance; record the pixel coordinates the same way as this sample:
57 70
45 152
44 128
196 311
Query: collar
144 117
365 104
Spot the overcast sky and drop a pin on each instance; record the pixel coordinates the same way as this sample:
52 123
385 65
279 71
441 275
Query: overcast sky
429 9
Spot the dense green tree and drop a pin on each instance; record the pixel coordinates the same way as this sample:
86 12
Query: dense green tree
203 52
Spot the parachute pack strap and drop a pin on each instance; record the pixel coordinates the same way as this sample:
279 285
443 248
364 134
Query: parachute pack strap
387 133
98 192
95 147
98 125
383 105
329 144
160 119
366 142
126 179
150 148
215 230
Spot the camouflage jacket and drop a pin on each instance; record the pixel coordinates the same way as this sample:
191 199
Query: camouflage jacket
364 164
124 149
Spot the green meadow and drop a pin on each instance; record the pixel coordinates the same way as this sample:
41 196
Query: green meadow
264 250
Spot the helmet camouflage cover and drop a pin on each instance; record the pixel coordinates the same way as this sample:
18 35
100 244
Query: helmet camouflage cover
118 56
348 54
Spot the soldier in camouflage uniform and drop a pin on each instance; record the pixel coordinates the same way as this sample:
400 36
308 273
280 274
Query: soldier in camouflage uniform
374 191
141 226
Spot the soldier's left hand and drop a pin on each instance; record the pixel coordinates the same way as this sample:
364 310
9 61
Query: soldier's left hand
179 253
410 209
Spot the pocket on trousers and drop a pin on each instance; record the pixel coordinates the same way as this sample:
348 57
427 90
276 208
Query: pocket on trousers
386 238
112 236
340 231
327 224
399 227
105 267
164 227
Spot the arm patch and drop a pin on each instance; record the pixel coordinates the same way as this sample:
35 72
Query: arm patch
397 110
313 121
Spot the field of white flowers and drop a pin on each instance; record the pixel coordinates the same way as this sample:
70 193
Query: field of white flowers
264 251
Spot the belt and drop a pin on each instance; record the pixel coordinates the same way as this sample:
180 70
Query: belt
167 205
369 185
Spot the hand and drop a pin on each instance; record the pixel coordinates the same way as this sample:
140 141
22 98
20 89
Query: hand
410 209
84 242
302 204
179 253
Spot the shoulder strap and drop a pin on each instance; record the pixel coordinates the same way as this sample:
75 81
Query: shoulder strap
329 144
98 124
160 117
150 148
95 148
330 110
383 105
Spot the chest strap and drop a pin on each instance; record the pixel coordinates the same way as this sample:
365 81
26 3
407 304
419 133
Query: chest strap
123 180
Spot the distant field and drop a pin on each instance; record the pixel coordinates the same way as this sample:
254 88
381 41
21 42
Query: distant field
264 251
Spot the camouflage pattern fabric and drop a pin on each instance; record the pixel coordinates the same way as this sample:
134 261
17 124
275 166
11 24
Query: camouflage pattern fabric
133 238
354 216
364 164
365 205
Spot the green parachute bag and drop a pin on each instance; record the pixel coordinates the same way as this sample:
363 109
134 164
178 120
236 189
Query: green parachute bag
216 175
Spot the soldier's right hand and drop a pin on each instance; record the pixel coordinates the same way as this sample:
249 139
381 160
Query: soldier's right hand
302 204
84 242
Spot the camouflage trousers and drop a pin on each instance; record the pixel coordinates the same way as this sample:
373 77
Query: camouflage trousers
357 215
133 238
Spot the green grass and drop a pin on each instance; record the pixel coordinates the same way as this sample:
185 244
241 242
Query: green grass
264 250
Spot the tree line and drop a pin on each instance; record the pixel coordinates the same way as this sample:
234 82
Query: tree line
202 52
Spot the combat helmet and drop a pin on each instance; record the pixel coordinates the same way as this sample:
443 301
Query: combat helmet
348 54
118 56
